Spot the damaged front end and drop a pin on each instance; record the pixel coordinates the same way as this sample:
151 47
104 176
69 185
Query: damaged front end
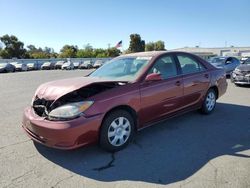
72 104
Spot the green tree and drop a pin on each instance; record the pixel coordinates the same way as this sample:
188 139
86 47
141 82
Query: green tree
39 53
159 45
150 46
136 44
155 46
99 52
1 48
113 52
68 51
13 47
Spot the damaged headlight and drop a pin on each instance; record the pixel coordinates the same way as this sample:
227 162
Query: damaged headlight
69 111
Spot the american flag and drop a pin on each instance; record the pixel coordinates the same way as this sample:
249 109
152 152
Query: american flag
119 44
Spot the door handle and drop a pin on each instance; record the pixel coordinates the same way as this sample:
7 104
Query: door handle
178 83
206 76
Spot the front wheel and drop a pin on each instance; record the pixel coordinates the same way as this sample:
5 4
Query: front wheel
117 131
209 102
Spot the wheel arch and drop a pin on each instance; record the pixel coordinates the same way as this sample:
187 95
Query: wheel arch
127 108
215 88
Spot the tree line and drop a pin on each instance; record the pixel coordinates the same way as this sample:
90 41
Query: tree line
12 47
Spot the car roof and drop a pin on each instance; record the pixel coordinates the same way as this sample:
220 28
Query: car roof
144 54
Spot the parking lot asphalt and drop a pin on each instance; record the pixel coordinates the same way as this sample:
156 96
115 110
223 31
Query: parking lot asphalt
192 150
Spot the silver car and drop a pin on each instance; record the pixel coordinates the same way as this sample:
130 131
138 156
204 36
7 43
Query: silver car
227 63
32 66
98 63
20 66
241 75
68 65
86 65
47 65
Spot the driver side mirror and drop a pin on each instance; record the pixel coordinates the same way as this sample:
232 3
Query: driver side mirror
153 77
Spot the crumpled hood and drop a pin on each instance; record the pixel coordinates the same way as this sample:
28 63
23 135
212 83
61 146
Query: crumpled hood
55 89
244 67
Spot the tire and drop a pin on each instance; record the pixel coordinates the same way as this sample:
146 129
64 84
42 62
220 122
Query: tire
209 102
117 130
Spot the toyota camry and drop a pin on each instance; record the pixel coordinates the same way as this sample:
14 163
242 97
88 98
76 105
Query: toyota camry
123 96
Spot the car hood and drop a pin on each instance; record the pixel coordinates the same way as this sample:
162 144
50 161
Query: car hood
2 67
66 65
56 89
244 67
59 63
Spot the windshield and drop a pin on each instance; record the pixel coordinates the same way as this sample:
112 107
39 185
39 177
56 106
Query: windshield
217 60
247 62
122 69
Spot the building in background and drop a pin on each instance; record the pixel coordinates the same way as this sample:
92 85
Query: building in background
210 52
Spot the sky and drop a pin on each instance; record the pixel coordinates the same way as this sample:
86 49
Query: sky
179 23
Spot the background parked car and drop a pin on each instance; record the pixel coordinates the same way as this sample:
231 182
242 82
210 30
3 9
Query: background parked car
59 64
68 65
86 65
98 63
77 64
19 66
7 67
243 59
33 66
47 66
241 75
227 63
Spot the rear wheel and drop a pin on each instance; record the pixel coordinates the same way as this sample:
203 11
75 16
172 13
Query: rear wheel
209 102
117 130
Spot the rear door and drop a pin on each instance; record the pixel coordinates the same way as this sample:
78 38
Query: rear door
159 98
196 79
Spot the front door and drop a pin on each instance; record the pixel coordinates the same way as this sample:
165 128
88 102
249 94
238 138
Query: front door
159 98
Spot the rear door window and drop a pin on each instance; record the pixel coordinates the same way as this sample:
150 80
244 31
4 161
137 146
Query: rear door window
189 65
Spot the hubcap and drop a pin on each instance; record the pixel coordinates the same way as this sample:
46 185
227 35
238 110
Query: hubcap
119 131
210 101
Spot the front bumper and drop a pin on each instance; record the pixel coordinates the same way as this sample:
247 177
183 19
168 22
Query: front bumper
58 66
19 69
240 79
30 68
45 68
2 70
61 134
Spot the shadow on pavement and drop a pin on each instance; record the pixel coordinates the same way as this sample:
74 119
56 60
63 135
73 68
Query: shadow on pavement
166 153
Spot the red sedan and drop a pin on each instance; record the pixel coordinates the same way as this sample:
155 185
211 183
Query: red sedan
127 94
